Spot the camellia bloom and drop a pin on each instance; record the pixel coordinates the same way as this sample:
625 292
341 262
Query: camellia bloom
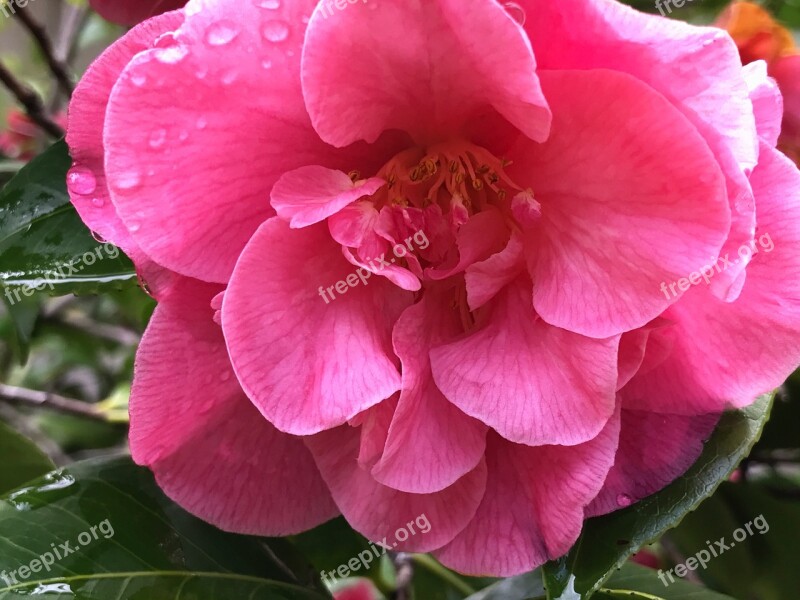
131 12
415 257
18 139
760 37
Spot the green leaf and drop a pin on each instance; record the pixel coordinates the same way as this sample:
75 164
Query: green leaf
634 582
607 541
131 542
22 460
522 587
44 245
22 321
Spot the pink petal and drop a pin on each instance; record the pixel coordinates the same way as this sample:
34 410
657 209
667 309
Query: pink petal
309 363
767 101
311 194
534 504
379 512
726 354
425 67
697 69
87 184
485 279
483 235
431 443
513 374
614 205
654 450
209 448
187 144
131 12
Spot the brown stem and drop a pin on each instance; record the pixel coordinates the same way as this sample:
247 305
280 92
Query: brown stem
31 101
24 396
57 67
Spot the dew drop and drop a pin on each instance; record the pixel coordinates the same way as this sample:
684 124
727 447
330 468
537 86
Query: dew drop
98 202
202 123
171 55
98 238
138 79
134 226
266 64
268 4
221 33
226 375
183 135
624 500
157 138
229 77
275 31
129 181
81 180
516 12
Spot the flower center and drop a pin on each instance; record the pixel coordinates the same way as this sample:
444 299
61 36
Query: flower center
459 177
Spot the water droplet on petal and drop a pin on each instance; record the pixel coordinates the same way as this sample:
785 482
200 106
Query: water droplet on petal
138 79
172 55
202 123
98 238
157 138
275 31
81 180
516 12
226 375
221 33
129 181
624 500
229 77
98 202
134 226
266 64
268 4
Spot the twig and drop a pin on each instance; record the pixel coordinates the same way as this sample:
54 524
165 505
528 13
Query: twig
112 333
57 67
24 396
405 575
31 101
65 46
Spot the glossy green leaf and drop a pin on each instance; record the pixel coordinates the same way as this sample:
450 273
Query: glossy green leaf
634 582
22 321
20 460
607 541
44 245
126 540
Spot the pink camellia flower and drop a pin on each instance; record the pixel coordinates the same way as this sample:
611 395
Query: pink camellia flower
131 12
415 257
358 590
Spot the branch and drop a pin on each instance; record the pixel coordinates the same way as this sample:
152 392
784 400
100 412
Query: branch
112 333
57 67
23 396
31 101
